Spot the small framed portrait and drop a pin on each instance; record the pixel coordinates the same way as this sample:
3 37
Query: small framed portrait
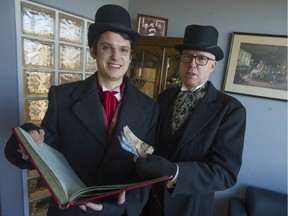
151 25
258 65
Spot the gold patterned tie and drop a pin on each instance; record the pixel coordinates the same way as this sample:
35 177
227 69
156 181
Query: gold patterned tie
184 106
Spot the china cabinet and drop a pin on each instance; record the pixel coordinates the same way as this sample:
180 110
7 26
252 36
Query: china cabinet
155 64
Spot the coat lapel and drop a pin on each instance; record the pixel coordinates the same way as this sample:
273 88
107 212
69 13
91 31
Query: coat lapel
167 102
88 108
205 111
130 112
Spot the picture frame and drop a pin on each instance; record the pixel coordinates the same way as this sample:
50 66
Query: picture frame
257 65
151 25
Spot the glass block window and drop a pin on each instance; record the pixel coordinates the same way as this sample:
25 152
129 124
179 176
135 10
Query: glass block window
71 29
52 50
69 77
70 57
37 20
37 83
37 53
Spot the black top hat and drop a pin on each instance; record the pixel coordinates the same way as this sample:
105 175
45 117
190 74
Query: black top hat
111 18
203 38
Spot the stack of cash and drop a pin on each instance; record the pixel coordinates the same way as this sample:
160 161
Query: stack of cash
133 144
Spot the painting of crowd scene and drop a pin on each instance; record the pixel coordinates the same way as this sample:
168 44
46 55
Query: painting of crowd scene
262 66
151 26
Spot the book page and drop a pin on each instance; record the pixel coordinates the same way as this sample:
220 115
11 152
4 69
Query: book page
98 192
53 166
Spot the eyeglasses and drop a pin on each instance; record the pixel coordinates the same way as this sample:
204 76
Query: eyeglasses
109 49
199 59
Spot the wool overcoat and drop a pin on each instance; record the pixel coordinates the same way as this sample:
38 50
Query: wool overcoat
74 125
208 150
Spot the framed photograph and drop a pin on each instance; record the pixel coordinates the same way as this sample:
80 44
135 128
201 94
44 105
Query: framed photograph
151 25
257 66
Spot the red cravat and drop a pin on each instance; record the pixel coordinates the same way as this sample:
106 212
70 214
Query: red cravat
109 102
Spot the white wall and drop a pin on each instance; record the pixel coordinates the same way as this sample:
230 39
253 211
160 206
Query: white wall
265 150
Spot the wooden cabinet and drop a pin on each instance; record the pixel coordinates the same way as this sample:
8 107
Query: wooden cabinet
155 64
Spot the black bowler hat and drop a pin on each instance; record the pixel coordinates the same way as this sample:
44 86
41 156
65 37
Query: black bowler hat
203 38
111 18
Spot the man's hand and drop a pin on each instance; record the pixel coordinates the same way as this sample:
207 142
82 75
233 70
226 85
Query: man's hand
38 137
106 209
153 166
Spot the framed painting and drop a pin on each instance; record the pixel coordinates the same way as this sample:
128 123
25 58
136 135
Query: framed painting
257 66
151 25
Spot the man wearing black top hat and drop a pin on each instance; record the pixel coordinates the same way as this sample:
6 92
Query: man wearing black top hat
85 118
200 137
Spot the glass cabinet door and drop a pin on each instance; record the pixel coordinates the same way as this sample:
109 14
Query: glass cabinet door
145 70
155 64
170 75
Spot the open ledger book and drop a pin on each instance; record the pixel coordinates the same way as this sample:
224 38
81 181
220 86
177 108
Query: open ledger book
65 186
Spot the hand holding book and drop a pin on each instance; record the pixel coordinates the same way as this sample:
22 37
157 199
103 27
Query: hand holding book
38 137
66 187
153 166
106 208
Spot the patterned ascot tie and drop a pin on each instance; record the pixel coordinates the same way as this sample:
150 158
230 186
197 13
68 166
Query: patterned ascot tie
185 105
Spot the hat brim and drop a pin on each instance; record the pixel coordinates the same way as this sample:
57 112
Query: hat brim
96 29
215 50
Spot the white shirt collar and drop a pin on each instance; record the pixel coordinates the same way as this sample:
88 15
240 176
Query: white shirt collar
117 89
184 88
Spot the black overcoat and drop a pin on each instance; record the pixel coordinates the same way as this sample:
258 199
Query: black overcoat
208 151
74 125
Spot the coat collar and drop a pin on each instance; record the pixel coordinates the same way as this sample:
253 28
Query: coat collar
88 108
205 111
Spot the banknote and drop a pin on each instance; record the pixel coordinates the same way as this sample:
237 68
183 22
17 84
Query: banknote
132 143
126 145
